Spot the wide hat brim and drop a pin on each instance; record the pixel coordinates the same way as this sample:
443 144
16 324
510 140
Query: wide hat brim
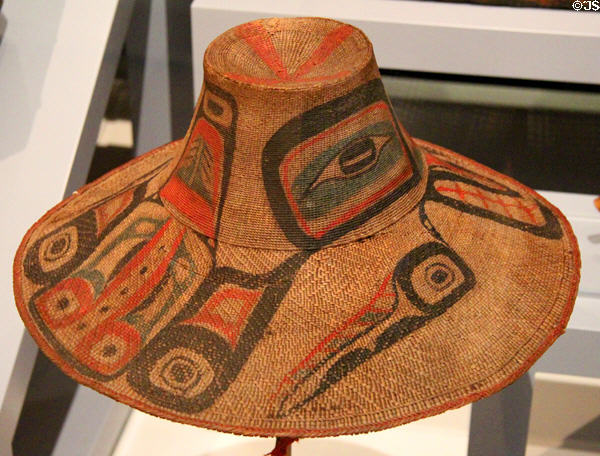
449 304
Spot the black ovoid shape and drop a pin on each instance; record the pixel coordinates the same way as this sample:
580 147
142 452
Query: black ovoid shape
79 246
357 156
225 361
215 107
550 229
443 270
87 241
307 125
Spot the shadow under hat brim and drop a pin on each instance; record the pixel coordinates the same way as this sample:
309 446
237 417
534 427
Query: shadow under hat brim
450 304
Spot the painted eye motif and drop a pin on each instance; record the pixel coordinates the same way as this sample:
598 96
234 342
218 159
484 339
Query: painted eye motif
433 277
182 372
66 303
56 255
181 369
332 168
439 276
356 158
340 170
217 109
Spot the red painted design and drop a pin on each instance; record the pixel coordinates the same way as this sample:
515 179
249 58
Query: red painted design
235 303
432 160
331 41
130 294
353 326
214 141
405 174
505 202
73 296
260 41
143 287
187 201
108 211
109 347
190 204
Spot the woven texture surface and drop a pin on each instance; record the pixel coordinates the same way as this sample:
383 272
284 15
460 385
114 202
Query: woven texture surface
297 265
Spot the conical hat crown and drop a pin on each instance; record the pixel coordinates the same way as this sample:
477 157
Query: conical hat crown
294 143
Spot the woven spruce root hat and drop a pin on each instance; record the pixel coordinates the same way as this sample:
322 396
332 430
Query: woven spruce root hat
297 265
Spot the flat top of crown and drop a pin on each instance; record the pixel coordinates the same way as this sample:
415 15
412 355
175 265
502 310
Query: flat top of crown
289 53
